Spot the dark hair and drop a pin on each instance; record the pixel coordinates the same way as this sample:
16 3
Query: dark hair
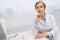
38 3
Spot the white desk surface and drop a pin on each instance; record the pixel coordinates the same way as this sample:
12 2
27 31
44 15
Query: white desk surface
26 35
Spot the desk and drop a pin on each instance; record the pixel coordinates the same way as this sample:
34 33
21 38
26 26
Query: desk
26 35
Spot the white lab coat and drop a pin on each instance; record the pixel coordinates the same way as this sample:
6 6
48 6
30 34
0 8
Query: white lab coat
48 27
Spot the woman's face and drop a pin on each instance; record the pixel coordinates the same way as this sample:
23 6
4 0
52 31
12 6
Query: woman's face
40 8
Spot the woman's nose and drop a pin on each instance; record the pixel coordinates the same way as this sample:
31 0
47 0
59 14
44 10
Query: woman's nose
39 8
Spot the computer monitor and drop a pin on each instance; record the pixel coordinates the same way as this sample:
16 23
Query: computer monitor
2 33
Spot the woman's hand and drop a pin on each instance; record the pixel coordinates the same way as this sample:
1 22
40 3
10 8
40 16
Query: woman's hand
37 18
38 36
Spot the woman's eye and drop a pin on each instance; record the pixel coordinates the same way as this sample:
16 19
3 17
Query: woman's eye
41 6
37 7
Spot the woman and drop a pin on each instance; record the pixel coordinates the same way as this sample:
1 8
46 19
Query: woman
45 26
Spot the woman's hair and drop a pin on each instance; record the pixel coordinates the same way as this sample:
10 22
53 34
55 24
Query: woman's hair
38 3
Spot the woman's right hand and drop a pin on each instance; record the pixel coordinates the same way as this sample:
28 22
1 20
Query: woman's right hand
37 19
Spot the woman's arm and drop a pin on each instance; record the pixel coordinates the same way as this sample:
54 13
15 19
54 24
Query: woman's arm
41 35
35 27
54 30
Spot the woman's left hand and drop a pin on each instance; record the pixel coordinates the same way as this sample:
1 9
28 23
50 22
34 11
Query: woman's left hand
40 35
